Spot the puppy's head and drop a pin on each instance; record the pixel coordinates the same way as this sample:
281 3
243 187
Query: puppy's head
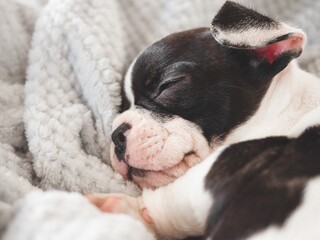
186 92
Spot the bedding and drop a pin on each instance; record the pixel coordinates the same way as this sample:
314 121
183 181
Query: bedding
61 66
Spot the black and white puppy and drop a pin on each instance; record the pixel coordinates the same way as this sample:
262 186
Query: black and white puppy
203 91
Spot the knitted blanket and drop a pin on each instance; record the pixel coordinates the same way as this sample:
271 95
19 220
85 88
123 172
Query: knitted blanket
61 67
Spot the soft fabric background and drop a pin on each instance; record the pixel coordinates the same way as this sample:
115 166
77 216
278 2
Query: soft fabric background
61 65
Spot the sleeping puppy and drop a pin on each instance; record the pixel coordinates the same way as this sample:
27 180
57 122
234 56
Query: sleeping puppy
189 100
192 91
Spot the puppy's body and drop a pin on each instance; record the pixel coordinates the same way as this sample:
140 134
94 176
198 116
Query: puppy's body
187 95
292 109
258 189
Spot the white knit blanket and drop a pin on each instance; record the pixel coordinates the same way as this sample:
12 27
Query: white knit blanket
56 109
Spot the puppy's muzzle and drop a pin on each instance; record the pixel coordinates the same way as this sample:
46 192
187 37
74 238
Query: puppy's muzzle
153 153
119 138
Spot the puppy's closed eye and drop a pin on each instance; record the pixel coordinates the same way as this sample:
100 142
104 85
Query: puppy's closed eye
172 93
168 83
174 74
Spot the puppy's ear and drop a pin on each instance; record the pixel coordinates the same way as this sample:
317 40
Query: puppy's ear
259 42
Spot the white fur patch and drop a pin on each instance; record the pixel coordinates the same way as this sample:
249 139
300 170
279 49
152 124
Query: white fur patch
311 119
255 37
128 84
181 208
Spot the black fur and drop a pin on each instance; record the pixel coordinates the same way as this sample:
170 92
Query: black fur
259 183
235 17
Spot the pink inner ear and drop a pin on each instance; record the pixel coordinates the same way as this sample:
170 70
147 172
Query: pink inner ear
274 50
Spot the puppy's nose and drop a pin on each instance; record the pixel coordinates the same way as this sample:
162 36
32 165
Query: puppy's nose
119 138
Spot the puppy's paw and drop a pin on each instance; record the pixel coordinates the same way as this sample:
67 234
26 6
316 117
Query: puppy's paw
120 203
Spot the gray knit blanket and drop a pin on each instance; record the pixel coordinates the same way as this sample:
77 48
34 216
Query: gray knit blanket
61 66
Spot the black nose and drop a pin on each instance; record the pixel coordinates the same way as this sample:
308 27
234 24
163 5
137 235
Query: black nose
120 140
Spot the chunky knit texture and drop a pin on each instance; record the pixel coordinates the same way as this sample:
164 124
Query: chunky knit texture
57 108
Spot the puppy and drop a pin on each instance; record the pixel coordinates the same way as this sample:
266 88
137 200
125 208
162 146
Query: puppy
189 99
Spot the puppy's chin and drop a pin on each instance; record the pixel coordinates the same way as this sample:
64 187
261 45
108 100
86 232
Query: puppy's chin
145 178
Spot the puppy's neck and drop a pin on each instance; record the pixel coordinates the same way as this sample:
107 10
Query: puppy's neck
292 94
